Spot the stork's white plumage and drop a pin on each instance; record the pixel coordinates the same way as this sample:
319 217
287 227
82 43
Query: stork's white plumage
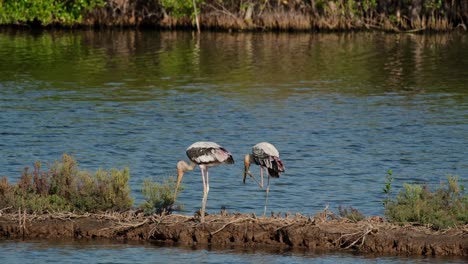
208 153
265 148
266 156
204 154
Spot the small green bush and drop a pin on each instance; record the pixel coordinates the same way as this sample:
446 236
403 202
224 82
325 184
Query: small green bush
445 207
159 197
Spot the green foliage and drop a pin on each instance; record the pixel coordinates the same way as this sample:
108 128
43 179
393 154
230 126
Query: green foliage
181 8
445 207
66 188
388 186
352 214
45 11
159 198
369 4
105 190
350 7
433 4
320 4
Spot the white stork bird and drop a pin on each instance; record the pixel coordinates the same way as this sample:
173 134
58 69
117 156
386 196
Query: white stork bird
205 155
266 156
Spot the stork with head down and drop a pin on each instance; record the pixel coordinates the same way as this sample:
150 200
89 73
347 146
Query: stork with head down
267 157
205 155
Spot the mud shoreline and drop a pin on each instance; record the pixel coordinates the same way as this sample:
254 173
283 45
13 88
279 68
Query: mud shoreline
372 235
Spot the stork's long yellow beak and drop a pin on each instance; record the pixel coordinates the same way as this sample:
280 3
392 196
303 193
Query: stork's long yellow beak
245 174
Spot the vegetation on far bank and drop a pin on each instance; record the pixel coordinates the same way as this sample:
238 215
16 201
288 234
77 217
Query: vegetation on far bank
46 12
303 15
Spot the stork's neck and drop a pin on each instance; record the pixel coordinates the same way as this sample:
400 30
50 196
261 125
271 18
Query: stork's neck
248 159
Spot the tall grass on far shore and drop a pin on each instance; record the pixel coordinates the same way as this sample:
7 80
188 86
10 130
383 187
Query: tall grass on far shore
63 187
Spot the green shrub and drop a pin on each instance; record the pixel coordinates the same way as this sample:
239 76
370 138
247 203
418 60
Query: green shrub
445 207
180 8
66 188
105 190
45 11
159 198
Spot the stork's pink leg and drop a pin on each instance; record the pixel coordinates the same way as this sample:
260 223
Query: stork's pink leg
261 176
203 177
266 195
207 182
205 195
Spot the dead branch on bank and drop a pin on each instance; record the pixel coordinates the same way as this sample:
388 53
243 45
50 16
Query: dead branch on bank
345 239
232 222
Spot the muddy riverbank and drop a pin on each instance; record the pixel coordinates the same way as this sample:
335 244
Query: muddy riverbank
372 235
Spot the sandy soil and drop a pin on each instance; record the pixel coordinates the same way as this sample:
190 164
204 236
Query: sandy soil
372 235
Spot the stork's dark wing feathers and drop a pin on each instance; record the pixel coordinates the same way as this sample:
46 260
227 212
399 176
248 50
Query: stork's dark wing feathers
273 164
209 155
277 167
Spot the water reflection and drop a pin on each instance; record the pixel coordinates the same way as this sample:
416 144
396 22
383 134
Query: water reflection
136 62
103 251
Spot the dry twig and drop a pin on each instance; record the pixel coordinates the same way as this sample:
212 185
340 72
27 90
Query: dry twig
361 237
232 222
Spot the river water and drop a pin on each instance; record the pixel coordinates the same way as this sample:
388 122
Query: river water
342 109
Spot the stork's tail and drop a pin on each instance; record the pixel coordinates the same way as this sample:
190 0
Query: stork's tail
277 167
230 160
227 156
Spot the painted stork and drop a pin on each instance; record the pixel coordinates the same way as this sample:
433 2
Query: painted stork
266 156
205 155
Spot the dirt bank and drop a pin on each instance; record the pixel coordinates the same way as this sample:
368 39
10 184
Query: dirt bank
300 232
